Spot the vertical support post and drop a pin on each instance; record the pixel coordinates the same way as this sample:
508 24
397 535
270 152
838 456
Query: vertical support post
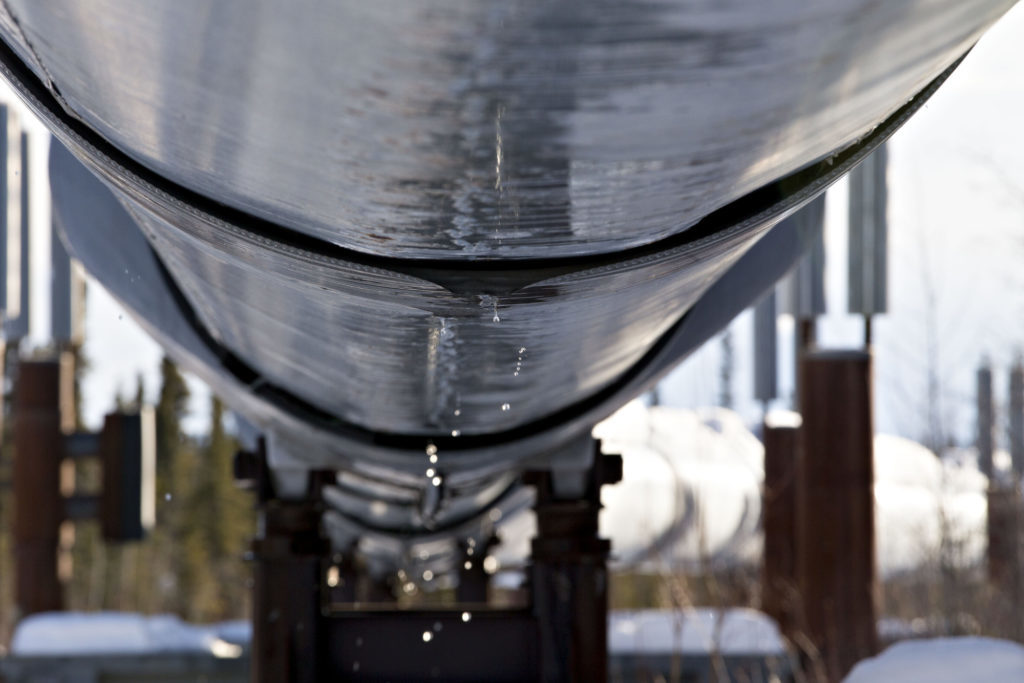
803 342
1004 540
836 542
1017 420
38 506
569 577
765 349
780 597
473 579
986 421
1005 525
289 585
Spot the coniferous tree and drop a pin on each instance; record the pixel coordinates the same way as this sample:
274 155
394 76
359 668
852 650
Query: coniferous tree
192 563
170 411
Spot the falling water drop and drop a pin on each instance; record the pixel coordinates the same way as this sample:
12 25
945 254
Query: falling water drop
436 481
433 459
457 412
427 636
505 407
431 449
438 626
466 616
456 432
467 565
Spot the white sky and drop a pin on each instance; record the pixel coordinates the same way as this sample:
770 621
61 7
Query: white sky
956 217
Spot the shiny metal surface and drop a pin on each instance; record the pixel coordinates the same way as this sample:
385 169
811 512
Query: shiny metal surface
478 129
398 354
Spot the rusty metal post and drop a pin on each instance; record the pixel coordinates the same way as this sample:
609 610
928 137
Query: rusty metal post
1004 546
287 582
836 542
569 577
473 578
780 596
38 506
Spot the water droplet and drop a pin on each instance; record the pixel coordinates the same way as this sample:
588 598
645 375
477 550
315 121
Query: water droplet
428 575
494 515
456 432
427 636
333 577
505 407
471 542
490 564
120 317
436 481
355 666
522 350
409 588
496 318
431 449
457 412
433 459
469 551
431 471
438 626
515 374
466 616
359 642
167 496
467 565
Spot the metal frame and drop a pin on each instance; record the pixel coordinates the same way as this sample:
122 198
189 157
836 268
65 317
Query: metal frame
301 634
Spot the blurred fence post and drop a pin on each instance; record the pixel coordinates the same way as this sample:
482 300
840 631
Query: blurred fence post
780 597
38 506
1004 529
836 540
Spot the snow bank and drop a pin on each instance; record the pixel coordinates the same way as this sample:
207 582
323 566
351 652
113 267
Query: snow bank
944 660
690 489
105 633
692 483
734 631
919 499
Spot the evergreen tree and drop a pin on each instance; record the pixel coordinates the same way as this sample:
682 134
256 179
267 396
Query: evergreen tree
170 410
192 563
140 392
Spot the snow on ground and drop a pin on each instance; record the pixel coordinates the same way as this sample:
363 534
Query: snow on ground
735 631
944 660
80 633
